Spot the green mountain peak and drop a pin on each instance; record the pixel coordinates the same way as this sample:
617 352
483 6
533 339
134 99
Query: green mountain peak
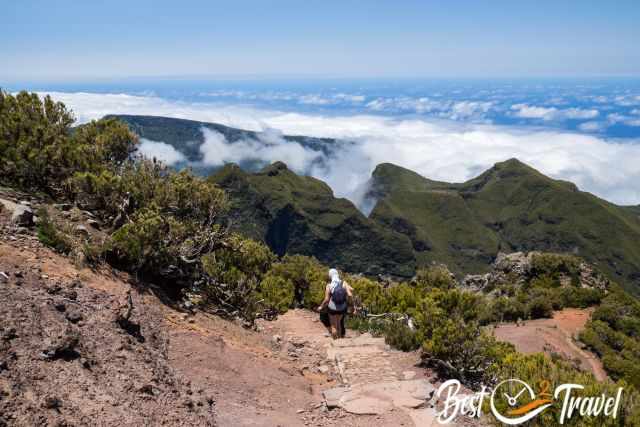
510 207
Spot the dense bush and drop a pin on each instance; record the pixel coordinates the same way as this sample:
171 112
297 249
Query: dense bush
436 276
239 259
49 235
40 151
552 266
614 334
534 368
276 292
305 275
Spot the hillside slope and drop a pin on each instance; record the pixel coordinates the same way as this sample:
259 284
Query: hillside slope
510 207
299 215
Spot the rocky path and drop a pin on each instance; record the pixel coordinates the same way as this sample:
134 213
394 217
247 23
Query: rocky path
371 378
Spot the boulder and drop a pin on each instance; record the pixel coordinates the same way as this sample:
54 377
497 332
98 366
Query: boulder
22 216
333 395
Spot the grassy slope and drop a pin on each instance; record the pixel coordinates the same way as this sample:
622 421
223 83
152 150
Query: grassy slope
509 207
299 214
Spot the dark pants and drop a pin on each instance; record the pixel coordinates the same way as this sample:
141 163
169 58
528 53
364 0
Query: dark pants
324 318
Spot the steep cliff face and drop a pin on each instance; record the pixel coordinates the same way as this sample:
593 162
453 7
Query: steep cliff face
300 215
510 207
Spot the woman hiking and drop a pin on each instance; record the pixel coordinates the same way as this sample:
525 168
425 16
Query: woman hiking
336 299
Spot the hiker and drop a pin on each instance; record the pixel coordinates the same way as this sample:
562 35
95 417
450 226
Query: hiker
336 300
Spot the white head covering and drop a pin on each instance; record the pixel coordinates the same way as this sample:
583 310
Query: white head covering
335 278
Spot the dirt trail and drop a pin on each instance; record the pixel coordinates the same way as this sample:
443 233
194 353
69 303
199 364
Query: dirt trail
555 335
371 379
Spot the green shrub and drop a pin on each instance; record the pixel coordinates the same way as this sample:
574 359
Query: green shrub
540 304
237 260
277 293
459 349
612 333
395 331
370 295
436 276
554 265
534 368
39 150
49 235
308 277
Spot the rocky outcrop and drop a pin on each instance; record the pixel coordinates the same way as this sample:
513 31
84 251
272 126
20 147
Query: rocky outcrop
519 267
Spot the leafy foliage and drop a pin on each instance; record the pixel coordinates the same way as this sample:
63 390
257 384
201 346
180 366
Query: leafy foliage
534 368
436 276
40 151
49 235
614 334
305 275
277 292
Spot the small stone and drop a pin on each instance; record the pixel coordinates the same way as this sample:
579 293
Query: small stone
60 306
51 402
71 294
9 334
146 389
86 363
54 289
76 283
323 369
74 316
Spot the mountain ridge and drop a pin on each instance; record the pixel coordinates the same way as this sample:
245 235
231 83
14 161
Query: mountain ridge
296 214
509 207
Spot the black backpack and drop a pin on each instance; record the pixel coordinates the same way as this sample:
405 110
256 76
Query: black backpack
339 294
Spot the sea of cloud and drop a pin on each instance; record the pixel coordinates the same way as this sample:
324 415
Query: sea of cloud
439 149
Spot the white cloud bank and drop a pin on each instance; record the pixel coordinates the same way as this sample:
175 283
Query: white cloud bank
271 147
437 149
161 151
526 111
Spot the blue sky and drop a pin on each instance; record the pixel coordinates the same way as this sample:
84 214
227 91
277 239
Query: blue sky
71 40
444 88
